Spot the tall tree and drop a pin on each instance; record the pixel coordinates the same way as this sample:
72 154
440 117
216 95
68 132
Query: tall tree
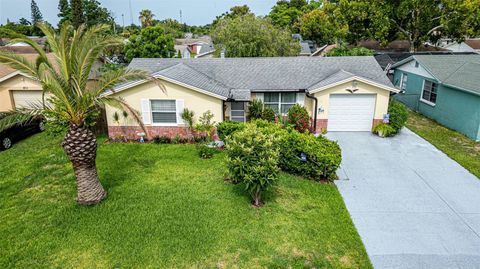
428 20
152 42
36 16
65 80
35 13
65 12
77 12
146 18
251 36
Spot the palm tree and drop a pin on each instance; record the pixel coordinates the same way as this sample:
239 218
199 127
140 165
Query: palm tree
146 18
67 98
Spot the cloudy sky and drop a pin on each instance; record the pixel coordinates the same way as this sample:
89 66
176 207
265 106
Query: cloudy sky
195 12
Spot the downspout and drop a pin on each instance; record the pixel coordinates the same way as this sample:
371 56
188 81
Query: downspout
314 111
223 110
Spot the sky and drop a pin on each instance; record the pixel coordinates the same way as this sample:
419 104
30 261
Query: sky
194 12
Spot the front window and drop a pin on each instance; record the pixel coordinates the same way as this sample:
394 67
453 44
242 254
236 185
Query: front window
280 102
403 83
429 93
237 111
164 111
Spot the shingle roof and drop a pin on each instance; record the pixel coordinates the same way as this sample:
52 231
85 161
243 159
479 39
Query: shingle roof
458 71
6 70
263 74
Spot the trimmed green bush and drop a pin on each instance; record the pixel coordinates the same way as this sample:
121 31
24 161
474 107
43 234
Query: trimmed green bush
227 128
205 151
312 157
298 118
252 159
255 109
161 139
384 130
268 114
398 115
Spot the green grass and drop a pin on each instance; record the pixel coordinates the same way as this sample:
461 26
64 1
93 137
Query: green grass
166 208
460 148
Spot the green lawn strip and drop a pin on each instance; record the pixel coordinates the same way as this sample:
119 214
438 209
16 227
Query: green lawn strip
166 208
460 148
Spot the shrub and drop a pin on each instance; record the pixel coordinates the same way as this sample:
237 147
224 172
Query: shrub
205 151
298 118
206 124
255 109
161 139
398 115
268 114
312 157
187 116
177 139
227 128
384 130
252 159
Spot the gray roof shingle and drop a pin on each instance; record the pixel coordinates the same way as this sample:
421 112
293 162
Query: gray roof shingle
458 71
220 76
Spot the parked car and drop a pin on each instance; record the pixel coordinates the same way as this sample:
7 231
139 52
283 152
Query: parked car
19 131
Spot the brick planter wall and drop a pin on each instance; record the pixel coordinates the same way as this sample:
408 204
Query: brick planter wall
130 132
321 126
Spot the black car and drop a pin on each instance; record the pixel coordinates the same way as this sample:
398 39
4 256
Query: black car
19 131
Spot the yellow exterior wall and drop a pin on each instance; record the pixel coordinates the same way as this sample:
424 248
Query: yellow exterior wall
381 103
193 100
17 82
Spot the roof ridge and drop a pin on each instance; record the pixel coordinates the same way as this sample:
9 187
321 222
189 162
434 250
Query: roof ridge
454 72
329 76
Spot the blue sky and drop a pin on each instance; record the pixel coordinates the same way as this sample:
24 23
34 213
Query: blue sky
195 12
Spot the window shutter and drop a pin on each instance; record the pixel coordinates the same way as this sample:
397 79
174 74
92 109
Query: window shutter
301 98
179 106
260 96
146 112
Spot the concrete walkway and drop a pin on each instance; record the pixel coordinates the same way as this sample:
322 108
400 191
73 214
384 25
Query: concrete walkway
412 205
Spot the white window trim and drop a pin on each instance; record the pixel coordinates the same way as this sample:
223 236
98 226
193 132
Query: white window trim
244 112
421 94
166 124
280 101
402 83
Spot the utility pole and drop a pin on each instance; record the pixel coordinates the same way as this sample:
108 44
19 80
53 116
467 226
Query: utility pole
181 20
123 20
131 14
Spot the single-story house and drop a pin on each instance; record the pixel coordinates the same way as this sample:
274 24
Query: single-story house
18 90
340 93
445 88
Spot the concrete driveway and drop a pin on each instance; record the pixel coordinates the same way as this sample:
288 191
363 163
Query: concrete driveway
413 206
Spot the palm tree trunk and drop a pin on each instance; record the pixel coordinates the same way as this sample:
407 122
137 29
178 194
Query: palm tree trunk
80 145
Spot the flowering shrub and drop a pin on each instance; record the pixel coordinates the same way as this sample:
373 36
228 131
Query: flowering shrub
298 118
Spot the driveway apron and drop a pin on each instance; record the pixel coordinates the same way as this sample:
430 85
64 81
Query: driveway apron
412 205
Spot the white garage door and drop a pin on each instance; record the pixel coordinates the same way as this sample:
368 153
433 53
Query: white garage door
351 112
25 99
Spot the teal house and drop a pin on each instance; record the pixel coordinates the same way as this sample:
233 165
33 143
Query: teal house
445 88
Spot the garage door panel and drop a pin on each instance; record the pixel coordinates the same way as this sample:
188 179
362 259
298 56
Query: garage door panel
351 112
27 99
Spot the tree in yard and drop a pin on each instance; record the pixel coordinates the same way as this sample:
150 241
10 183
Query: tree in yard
24 21
151 42
89 12
251 36
64 80
146 18
428 20
77 12
322 25
36 17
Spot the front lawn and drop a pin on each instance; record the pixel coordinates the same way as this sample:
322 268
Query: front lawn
460 148
166 208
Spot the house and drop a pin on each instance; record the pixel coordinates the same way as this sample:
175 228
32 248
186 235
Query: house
445 88
474 43
340 93
201 47
307 47
18 90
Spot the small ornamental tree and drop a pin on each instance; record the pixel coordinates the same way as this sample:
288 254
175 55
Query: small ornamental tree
398 115
298 118
252 159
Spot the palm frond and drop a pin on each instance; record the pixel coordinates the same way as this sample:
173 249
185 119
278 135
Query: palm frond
19 116
114 77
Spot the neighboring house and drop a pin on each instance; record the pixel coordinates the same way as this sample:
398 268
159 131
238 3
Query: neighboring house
20 47
445 88
18 90
340 93
307 47
201 47
474 43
